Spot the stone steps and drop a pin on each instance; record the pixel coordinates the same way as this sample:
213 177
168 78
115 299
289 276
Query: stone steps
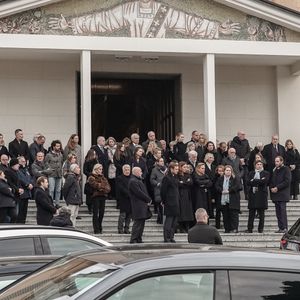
154 232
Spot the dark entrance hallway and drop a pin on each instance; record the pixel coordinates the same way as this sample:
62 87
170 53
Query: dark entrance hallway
123 106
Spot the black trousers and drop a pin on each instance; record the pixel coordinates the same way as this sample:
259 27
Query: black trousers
160 213
98 213
22 214
137 231
281 215
169 228
230 218
261 214
124 221
11 212
89 202
218 218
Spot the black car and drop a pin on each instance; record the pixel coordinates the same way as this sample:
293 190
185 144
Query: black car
13 268
291 239
179 272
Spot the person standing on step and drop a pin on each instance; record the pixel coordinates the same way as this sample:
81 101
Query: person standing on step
140 205
228 187
170 200
18 147
72 191
280 192
258 181
122 195
102 154
101 188
292 160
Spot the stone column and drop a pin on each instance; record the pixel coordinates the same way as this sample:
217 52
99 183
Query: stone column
86 117
209 97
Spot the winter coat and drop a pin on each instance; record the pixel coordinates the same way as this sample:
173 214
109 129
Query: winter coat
39 169
269 154
44 205
72 190
100 185
185 184
139 199
62 220
122 193
88 167
234 191
179 151
258 190
201 185
14 181
55 162
281 178
156 178
119 163
204 234
141 164
102 157
292 157
17 149
170 195
25 177
241 147
6 196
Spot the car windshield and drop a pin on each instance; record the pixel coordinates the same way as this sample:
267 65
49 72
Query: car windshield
63 279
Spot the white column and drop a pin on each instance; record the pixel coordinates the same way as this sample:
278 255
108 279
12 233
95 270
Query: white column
86 116
209 97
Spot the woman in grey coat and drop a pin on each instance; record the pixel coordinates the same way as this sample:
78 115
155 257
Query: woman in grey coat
157 175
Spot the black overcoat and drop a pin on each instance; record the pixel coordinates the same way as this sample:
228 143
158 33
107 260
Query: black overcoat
45 207
139 199
102 157
269 154
6 196
202 183
281 178
122 193
292 157
258 190
170 195
185 184
234 191
17 149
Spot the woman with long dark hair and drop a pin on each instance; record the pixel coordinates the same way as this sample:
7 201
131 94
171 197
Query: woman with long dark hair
73 147
120 158
139 161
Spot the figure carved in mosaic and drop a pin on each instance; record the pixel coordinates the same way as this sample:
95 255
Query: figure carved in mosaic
145 18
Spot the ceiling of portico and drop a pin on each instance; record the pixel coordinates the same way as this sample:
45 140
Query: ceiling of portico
67 56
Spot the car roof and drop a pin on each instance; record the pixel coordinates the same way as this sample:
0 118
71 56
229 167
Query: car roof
155 256
30 230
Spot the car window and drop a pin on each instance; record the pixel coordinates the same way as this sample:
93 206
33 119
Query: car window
8 279
296 229
65 245
17 247
195 286
256 285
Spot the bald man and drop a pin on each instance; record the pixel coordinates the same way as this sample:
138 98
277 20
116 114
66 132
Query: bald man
140 205
203 233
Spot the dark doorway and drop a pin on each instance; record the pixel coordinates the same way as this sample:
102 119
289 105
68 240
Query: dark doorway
123 106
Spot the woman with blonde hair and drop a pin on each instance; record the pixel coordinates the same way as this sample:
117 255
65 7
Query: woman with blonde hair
292 160
100 189
228 187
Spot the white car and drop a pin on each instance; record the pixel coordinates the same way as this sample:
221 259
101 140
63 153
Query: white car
27 240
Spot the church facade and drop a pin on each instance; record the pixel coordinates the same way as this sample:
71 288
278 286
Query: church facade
85 66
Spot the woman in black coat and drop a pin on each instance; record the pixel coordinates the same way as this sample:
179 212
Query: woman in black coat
292 160
257 181
179 148
7 201
139 161
202 183
44 202
210 170
185 183
228 187
217 196
170 200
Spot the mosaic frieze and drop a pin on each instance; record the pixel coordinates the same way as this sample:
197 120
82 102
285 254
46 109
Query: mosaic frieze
140 18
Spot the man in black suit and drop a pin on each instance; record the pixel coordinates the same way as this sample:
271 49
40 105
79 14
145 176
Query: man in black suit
102 154
203 233
18 147
135 142
271 151
140 202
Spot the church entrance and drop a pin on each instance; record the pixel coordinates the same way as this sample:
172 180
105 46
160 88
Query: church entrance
126 104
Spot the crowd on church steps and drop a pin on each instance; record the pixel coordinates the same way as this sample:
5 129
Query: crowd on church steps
172 180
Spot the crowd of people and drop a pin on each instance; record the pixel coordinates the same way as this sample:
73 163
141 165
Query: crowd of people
174 178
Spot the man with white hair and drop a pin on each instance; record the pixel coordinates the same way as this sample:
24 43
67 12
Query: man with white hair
140 205
203 233
192 160
135 142
151 138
